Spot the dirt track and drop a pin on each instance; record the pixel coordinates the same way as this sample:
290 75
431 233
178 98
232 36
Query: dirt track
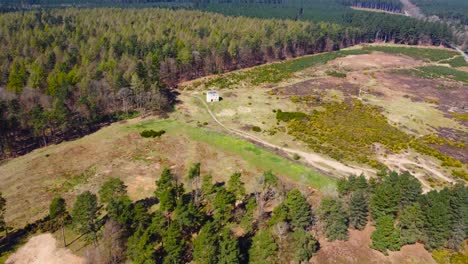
314 160
42 249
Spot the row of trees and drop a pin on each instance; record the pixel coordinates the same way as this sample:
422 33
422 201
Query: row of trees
207 223
67 71
222 223
401 213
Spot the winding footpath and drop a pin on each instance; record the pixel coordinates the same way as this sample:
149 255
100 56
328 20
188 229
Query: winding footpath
329 166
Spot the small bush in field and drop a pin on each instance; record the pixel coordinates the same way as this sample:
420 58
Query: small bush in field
256 129
152 133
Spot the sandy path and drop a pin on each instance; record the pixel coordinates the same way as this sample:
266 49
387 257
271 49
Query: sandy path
42 249
399 162
313 159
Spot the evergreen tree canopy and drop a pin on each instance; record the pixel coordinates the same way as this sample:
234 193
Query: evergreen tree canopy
263 249
112 189
358 210
334 218
385 236
299 212
85 214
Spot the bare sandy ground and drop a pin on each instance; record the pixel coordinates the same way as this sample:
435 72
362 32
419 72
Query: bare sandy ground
42 249
376 60
356 250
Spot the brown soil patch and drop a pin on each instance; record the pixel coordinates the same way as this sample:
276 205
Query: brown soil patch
43 249
373 61
457 136
450 96
357 250
317 86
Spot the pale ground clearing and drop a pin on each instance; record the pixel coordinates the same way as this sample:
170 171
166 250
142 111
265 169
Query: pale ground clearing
357 251
42 249
370 72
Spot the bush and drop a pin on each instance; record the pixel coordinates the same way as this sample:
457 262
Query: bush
336 74
288 116
256 129
152 133
296 156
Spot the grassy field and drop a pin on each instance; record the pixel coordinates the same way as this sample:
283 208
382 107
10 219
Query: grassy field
442 72
277 72
456 62
257 157
429 54
67 169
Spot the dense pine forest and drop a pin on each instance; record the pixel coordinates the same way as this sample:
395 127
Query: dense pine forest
63 73
220 222
452 10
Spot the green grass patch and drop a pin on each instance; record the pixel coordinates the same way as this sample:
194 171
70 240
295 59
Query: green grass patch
277 72
414 52
259 158
456 62
431 72
68 182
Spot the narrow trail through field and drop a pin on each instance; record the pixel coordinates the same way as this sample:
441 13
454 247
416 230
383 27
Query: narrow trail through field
312 159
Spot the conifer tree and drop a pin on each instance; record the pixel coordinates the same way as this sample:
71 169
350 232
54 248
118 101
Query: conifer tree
358 210
334 218
140 247
436 210
85 214
113 188
386 197
385 236
411 224
263 249
236 186
17 77
205 248
459 216
299 212
174 244
229 252
305 245
58 212
410 189
3 226
166 191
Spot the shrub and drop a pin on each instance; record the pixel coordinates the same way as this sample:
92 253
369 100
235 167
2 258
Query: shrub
256 129
296 156
288 116
152 133
336 74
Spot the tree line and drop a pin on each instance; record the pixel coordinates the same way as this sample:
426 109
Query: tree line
386 5
65 72
220 222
